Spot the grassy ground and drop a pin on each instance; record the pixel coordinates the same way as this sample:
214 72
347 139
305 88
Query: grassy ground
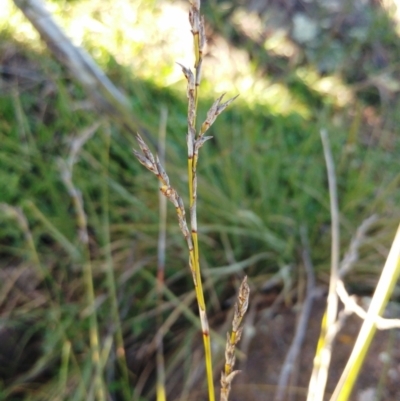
262 178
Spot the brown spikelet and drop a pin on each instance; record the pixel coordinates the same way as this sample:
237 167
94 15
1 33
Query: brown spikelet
232 340
215 110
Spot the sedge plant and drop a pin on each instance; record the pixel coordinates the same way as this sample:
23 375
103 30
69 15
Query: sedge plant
195 140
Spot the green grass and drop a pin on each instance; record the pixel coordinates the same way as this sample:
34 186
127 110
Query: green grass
261 178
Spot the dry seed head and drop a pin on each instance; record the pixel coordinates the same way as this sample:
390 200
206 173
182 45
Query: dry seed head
223 106
232 340
228 379
231 361
188 75
181 206
162 173
211 115
200 142
216 109
241 305
143 160
167 191
173 197
243 297
183 226
190 93
144 148
239 332
229 353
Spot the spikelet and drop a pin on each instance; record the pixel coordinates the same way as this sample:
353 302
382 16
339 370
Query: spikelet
153 164
228 373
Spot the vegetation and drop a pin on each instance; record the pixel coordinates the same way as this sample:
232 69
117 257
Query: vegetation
79 219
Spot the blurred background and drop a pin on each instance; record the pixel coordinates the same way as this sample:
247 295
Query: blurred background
299 66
